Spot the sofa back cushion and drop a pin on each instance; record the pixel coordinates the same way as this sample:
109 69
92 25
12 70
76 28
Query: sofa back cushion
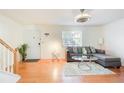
70 49
75 50
99 51
79 50
82 50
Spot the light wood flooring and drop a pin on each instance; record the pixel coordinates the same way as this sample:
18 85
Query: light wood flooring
47 71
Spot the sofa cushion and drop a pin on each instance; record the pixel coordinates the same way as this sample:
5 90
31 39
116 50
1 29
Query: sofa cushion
109 64
107 58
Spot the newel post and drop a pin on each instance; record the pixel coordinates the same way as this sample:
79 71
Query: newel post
15 61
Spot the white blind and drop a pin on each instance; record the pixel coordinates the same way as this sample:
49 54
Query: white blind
72 38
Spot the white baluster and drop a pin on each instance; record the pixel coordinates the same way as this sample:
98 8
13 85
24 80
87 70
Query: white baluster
1 51
12 61
8 60
4 59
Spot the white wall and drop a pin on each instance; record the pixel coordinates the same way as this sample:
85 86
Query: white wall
91 36
11 31
114 38
53 43
15 34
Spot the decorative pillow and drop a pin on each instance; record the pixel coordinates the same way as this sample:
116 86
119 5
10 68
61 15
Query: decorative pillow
93 50
84 51
88 50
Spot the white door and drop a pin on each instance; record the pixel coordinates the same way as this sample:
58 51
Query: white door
34 47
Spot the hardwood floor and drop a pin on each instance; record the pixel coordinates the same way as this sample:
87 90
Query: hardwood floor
46 71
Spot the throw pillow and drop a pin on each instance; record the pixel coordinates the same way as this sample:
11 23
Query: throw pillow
93 50
88 50
84 51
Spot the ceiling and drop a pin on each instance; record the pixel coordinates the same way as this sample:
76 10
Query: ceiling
62 16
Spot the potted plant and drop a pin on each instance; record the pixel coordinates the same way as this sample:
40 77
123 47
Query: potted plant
23 51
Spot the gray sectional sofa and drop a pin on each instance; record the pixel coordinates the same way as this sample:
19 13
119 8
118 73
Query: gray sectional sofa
108 61
102 58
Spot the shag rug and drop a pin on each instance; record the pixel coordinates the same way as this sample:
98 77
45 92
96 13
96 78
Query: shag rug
76 68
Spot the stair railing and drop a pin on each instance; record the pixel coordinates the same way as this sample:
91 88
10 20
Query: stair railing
7 57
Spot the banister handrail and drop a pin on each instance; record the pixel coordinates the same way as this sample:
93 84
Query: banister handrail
6 45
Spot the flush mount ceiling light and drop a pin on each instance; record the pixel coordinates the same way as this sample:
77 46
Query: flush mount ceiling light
83 17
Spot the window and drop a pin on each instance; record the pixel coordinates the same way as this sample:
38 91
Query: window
72 38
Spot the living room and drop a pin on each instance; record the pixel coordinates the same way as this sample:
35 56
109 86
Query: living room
45 36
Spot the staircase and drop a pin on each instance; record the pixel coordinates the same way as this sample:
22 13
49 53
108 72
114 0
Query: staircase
8 63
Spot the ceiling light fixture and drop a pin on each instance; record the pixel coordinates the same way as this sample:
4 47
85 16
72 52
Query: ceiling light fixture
83 17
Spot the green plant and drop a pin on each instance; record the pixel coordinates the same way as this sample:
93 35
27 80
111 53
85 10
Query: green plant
23 51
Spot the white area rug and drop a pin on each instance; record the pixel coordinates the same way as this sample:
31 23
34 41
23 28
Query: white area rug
8 77
95 69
